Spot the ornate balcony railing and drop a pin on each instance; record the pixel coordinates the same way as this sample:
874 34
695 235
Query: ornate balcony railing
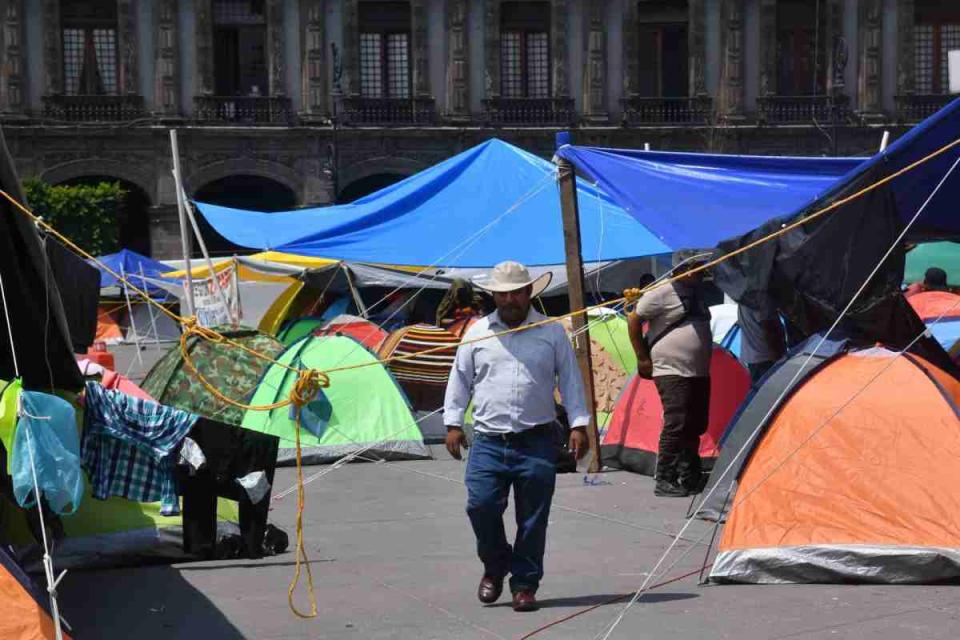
93 108
387 111
243 110
546 112
801 109
666 111
913 108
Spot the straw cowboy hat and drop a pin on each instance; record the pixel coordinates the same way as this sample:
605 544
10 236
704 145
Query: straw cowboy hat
511 276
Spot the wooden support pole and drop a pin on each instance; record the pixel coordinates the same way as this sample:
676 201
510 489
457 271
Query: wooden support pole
581 344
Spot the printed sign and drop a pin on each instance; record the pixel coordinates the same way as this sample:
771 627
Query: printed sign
208 300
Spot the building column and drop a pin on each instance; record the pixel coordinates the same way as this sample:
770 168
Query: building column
167 70
418 45
491 49
458 62
128 77
870 38
203 61
834 48
595 73
559 43
276 64
52 49
350 56
768 48
697 29
905 63
631 48
11 58
314 59
731 89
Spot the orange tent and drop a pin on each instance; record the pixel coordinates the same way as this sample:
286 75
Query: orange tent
853 478
24 614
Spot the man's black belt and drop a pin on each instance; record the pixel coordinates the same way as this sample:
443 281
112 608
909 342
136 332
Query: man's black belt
519 436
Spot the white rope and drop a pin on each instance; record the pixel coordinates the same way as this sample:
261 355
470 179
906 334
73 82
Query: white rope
783 394
47 560
351 456
6 313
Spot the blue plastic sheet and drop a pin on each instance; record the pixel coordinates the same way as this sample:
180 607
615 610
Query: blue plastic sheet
699 200
47 427
130 263
490 203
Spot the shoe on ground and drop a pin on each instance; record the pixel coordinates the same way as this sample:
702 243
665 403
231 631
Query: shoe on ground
525 600
490 589
667 489
695 484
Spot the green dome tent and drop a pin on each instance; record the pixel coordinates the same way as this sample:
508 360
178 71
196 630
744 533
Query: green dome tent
298 328
945 255
368 408
232 371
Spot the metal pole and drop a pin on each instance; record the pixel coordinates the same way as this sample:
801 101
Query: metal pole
581 344
153 320
206 257
133 323
184 236
884 141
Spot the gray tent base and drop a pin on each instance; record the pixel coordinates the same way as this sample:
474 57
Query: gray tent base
387 450
866 564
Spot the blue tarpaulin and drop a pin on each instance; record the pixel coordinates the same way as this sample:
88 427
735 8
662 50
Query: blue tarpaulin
490 203
131 264
699 200
695 200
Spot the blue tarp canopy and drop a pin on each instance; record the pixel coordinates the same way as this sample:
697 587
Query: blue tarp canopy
698 200
131 264
490 203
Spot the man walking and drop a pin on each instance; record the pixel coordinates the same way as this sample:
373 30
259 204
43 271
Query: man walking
680 346
511 378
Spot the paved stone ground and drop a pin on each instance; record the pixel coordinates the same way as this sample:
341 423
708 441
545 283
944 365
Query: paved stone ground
393 557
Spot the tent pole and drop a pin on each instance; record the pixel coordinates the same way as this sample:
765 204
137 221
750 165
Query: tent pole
206 256
184 237
153 320
133 323
884 141
581 343
364 312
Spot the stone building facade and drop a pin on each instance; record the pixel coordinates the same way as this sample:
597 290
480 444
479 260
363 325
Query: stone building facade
289 103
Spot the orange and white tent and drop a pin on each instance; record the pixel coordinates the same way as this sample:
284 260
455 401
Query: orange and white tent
851 477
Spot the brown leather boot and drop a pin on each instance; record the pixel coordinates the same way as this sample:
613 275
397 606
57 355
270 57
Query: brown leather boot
525 600
490 589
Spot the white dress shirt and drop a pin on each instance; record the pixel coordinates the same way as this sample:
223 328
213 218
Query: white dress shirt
512 377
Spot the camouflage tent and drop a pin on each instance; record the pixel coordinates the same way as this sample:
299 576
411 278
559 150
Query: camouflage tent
232 371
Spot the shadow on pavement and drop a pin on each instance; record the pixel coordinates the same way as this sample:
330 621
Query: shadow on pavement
145 603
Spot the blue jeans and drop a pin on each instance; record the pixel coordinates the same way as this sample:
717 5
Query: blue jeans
528 464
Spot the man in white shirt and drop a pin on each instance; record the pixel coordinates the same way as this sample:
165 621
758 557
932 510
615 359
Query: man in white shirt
511 379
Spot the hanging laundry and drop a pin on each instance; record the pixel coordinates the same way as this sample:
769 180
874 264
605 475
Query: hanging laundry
9 394
129 447
46 451
239 466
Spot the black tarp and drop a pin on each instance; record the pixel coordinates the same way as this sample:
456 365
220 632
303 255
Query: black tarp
79 286
40 333
816 269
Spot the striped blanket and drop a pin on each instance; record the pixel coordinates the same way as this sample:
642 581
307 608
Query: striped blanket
422 375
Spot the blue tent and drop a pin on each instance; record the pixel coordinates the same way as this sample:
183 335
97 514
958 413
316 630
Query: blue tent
720 197
131 265
490 203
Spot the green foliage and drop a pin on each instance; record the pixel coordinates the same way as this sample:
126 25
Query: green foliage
85 213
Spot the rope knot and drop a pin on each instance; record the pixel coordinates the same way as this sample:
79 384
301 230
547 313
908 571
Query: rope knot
191 326
309 382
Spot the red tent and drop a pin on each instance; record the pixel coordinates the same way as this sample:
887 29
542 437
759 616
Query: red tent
633 435
363 331
930 305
